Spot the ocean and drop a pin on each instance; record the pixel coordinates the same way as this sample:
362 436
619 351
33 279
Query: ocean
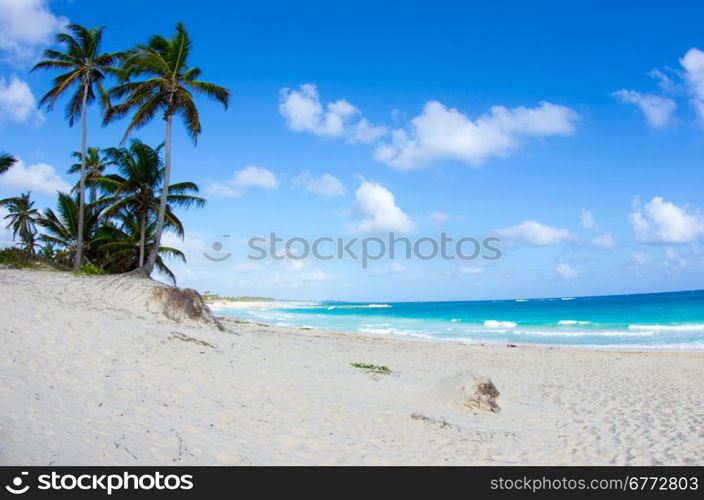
673 320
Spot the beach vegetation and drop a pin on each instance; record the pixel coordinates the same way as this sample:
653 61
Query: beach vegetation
83 70
6 161
22 218
372 367
132 203
156 80
208 295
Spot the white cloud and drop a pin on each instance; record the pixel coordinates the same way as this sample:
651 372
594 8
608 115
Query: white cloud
471 270
657 110
566 271
693 64
670 260
379 210
304 113
442 133
5 234
314 275
325 185
247 267
26 25
40 177
534 233
664 82
17 102
438 217
250 176
604 240
587 220
660 221
396 267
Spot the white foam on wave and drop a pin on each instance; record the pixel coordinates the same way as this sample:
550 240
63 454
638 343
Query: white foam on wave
400 332
492 323
596 333
691 327
572 322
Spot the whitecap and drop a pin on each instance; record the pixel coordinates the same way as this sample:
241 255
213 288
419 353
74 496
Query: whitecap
691 327
492 323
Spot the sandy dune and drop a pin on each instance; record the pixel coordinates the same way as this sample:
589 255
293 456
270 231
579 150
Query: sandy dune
90 375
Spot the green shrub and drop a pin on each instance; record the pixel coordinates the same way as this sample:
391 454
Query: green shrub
88 269
374 368
12 256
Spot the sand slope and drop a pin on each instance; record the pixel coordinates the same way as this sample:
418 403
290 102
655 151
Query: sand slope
89 375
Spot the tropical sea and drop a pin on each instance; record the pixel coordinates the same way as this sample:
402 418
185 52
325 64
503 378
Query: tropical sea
673 320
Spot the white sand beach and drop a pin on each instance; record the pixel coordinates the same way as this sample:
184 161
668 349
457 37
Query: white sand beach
93 373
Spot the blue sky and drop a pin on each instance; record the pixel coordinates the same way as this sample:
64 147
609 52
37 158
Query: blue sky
575 133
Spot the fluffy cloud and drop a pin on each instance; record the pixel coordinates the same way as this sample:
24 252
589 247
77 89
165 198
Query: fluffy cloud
192 247
17 102
587 220
5 234
693 64
566 271
379 210
664 82
251 176
441 133
39 177
325 185
25 25
304 113
657 110
660 221
602 239
534 233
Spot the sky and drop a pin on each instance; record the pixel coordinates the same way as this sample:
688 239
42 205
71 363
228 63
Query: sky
573 132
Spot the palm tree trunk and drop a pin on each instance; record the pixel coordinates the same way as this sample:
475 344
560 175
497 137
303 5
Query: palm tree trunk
82 196
93 193
142 231
154 252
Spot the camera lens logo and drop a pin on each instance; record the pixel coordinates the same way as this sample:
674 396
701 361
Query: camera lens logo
16 487
217 247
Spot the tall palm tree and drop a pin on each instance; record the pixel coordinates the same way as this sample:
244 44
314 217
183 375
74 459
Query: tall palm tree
96 163
22 218
85 69
137 189
167 88
6 161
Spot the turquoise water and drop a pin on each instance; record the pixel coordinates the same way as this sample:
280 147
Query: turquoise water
645 321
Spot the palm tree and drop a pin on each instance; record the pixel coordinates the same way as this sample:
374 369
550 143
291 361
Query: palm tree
167 90
22 218
85 69
121 248
96 163
137 189
6 161
62 226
